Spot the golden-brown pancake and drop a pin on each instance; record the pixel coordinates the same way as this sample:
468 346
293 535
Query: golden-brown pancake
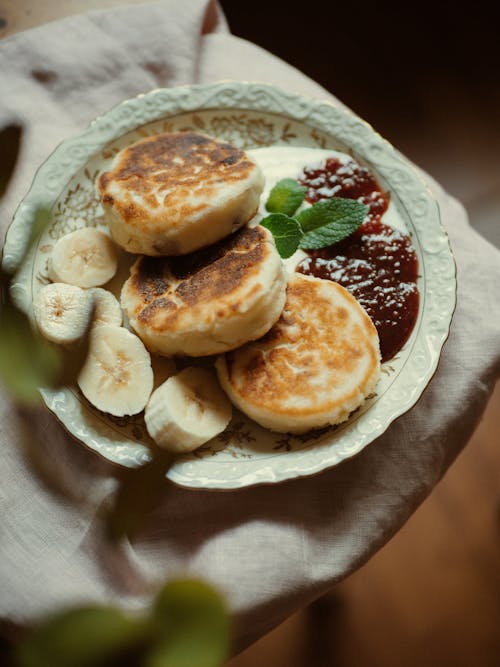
210 301
315 366
174 193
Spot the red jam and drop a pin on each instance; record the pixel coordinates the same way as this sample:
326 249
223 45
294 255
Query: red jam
377 264
348 180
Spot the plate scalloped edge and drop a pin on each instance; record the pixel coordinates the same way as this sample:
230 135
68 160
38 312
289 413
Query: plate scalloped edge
439 297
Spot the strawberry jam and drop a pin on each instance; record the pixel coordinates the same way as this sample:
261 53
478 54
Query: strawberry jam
377 263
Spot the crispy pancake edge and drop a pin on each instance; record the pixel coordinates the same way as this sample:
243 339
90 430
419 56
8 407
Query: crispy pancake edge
259 378
208 166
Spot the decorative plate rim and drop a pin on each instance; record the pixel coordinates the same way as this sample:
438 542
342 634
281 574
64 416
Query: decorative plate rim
345 127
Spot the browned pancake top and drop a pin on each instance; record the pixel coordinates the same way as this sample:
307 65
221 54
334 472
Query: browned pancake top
314 347
168 288
165 171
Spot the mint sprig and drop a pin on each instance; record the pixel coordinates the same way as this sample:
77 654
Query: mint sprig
286 197
322 224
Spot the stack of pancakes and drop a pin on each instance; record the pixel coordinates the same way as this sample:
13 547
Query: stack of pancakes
296 353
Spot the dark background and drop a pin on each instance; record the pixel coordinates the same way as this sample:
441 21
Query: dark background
381 59
426 75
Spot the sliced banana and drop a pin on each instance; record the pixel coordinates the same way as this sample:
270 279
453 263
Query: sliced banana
62 312
187 410
86 257
107 309
117 376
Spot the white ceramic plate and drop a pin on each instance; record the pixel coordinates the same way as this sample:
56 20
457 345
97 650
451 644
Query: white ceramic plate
249 115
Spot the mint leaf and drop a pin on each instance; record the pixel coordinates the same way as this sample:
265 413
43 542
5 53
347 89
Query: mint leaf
332 210
286 231
286 197
330 221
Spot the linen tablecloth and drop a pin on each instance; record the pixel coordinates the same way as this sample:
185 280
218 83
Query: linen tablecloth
271 549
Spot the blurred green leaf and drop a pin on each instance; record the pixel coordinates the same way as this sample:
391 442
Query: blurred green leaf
41 220
10 142
83 637
27 361
139 492
194 626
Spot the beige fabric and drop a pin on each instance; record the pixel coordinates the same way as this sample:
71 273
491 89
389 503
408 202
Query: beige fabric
270 549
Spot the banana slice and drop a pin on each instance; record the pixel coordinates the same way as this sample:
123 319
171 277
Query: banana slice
62 312
117 376
86 257
107 309
187 410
